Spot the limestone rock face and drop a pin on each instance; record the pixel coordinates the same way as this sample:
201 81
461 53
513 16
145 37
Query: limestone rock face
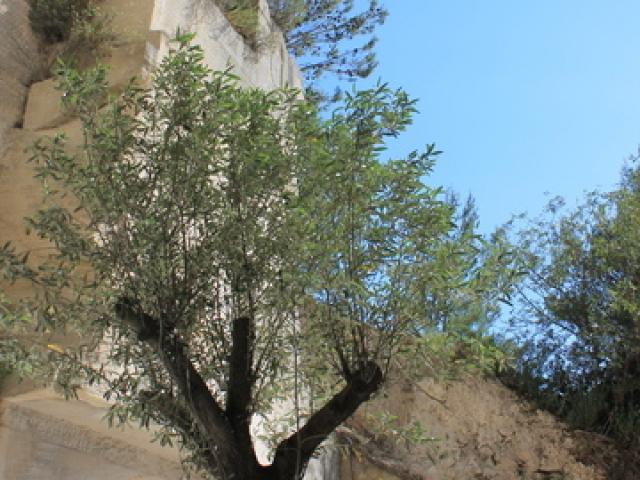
41 435
20 63
266 65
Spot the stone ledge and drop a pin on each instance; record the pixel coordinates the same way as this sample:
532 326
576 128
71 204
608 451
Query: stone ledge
75 428
44 103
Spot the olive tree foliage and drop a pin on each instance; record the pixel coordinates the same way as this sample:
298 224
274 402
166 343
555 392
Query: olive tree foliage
321 34
223 245
580 310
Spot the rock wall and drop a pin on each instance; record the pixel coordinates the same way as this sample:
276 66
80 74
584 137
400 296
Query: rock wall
40 115
41 435
20 64
267 65
45 437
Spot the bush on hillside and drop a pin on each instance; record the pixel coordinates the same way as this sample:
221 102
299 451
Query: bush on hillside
53 19
579 310
89 38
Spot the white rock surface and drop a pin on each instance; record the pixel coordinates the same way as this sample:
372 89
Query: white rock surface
268 66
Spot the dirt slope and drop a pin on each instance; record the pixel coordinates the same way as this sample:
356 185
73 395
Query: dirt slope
481 430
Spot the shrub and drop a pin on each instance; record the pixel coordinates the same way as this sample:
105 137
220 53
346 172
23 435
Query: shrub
242 15
89 37
53 19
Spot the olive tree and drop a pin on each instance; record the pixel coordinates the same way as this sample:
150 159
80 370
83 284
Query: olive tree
225 247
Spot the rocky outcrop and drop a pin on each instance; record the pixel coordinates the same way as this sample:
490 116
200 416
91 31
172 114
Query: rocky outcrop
266 64
20 64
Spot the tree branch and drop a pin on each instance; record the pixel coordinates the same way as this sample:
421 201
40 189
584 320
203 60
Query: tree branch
294 452
165 408
203 408
239 388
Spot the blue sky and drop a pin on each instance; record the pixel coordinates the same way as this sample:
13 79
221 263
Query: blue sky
523 97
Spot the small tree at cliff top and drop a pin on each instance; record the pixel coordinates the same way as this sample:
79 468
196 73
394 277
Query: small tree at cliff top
321 33
227 243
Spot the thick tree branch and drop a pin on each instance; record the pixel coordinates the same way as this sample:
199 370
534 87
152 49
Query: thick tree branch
165 408
241 381
294 452
208 415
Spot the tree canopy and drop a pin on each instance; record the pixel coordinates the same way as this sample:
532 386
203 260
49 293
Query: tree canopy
226 248
322 34
581 357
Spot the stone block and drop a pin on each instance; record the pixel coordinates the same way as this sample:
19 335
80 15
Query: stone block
44 107
130 19
124 62
44 436
44 104
20 63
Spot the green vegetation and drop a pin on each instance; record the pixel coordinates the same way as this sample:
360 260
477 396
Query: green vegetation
89 37
243 16
581 358
76 30
203 245
321 34
53 20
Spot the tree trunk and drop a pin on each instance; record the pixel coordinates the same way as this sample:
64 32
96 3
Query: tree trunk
231 455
